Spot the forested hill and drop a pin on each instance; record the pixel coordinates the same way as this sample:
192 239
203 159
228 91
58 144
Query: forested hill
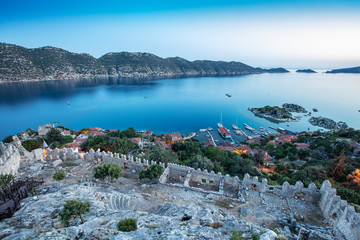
19 63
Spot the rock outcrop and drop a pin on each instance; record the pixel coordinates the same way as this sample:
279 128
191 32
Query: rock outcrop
327 123
290 107
48 63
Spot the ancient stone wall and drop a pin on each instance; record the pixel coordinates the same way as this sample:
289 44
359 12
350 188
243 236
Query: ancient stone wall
9 158
338 212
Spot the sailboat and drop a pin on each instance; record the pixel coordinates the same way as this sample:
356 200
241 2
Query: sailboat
235 126
220 123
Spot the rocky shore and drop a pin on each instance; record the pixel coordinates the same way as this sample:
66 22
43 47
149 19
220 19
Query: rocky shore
327 123
274 113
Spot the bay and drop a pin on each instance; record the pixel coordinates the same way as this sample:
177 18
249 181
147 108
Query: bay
176 105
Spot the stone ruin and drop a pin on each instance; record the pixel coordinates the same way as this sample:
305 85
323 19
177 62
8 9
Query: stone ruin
338 213
9 158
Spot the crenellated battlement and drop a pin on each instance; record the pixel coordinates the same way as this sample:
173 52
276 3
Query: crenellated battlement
336 211
9 158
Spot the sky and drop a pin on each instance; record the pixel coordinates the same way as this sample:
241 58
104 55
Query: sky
292 34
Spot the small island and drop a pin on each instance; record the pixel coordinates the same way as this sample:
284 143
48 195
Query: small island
274 113
305 71
277 70
327 123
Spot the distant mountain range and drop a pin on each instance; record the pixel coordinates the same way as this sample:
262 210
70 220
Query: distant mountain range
48 63
345 70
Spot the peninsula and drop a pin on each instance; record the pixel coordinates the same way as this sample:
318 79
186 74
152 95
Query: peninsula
50 63
345 70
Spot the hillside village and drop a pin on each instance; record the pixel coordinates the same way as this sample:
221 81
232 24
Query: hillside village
234 185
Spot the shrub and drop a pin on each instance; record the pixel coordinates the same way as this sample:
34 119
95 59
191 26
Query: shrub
59 175
127 225
73 209
236 235
215 225
153 172
6 180
7 139
31 144
113 171
68 139
54 135
255 236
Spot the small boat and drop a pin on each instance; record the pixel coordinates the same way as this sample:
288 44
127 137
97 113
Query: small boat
202 130
220 123
228 95
209 129
262 129
68 103
249 128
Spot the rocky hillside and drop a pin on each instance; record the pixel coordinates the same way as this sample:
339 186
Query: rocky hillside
18 63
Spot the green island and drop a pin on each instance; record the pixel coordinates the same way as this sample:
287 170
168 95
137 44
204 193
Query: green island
274 113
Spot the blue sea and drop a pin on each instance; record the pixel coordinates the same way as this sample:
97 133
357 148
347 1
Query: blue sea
176 105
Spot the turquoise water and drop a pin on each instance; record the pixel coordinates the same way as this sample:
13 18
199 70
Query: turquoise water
183 105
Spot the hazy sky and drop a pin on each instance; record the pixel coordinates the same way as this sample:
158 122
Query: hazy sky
292 34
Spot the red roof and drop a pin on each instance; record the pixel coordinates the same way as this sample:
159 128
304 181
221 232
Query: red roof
95 129
174 136
135 140
302 145
164 145
67 132
224 131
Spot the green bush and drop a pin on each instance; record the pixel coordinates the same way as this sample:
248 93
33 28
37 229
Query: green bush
127 225
255 236
54 135
59 175
31 144
153 172
73 209
6 180
236 235
7 139
113 171
349 195
68 139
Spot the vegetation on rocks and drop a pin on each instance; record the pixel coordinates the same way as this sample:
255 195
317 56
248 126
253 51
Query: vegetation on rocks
127 225
153 172
31 144
114 171
73 209
59 175
7 139
6 180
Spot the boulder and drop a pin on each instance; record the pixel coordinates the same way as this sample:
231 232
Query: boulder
268 235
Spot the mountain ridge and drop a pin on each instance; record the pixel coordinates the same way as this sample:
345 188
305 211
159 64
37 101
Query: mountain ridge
18 63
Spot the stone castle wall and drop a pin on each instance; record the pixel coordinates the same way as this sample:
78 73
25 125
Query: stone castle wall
9 158
339 214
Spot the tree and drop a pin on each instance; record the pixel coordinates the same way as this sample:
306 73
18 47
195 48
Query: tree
127 225
6 180
73 209
31 144
354 178
59 175
113 171
158 154
153 172
200 162
68 139
54 135
7 139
